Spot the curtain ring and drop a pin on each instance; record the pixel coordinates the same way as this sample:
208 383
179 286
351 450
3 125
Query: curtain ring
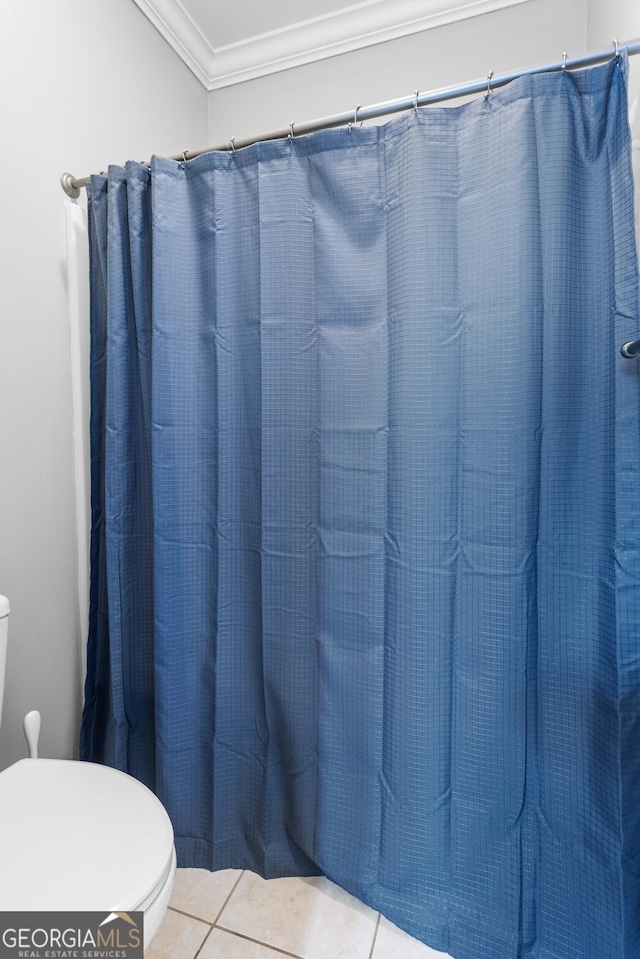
488 93
564 61
615 43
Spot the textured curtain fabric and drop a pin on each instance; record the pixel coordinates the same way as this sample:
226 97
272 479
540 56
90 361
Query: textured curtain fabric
365 570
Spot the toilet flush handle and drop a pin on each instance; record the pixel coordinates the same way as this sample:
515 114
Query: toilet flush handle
32 732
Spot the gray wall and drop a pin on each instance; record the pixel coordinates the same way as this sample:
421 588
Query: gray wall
82 83
525 34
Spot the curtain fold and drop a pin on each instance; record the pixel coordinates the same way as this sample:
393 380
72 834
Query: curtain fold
365 539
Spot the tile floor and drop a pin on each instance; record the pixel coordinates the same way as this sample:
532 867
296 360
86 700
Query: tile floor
235 914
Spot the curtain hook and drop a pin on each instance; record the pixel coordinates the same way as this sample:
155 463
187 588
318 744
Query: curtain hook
631 350
615 43
291 133
564 61
355 115
415 102
184 155
488 93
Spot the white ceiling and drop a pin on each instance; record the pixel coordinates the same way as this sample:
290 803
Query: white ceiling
225 23
228 41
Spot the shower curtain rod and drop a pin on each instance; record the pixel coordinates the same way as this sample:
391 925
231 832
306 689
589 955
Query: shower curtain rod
72 185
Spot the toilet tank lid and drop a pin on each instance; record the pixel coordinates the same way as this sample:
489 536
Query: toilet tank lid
4 607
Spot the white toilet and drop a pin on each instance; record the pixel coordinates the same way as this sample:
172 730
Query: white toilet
79 836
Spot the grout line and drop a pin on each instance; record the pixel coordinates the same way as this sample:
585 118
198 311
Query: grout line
208 922
190 915
375 936
258 942
203 942
225 903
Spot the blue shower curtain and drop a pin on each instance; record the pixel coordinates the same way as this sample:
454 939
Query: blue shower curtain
365 571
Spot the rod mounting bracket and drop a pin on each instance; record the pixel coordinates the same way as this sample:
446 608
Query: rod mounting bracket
67 183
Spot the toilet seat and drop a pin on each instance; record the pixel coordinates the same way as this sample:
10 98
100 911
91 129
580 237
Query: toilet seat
80 836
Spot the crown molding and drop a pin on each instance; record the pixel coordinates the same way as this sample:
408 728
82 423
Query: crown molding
352 28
